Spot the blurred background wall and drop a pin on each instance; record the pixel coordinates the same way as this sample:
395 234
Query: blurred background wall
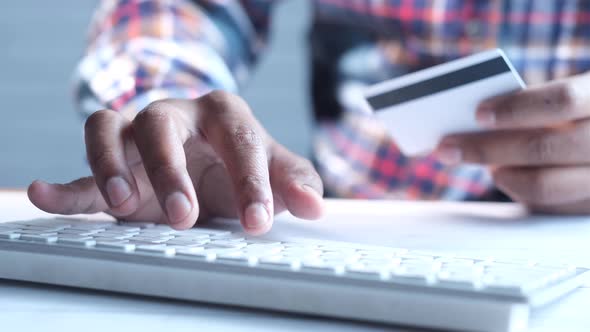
40 43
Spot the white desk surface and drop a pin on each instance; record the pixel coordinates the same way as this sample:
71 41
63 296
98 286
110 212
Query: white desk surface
499 229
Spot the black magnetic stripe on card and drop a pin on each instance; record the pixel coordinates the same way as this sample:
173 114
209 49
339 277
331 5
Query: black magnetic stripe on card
440 83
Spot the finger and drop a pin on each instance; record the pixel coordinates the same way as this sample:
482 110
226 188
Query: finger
576 208
556 102
79 196
544 186
105 147
159 135
297 183
566 145
227 123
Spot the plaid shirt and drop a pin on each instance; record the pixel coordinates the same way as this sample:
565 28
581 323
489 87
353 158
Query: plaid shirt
141 51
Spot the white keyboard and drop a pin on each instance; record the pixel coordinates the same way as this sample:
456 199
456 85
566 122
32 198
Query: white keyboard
343 280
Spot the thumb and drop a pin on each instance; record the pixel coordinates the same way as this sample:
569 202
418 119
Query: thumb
79 196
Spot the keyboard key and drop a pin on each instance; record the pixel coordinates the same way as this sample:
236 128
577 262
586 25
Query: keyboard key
415 273
191 236
378 253
186 242
158 232
383 262
142 225
37 232
74 237
157 249
225 244
372 272
251 241
188 250
9 235
299 245
238 257
77 241
261 253
42 228
449 261
154 240
38 238
120 228
115 245
96 229
5 226
276 260
263 249
460 278
339 255
322 267
197 253
18 224
295 252
93 225
228 237
228 240
210 232
112 236
76 232
220 251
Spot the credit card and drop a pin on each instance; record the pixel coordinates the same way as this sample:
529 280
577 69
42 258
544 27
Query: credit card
420 108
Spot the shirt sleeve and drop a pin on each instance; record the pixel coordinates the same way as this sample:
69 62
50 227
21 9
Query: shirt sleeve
140 51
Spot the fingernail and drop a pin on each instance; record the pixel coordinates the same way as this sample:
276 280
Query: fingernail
450 155
118 190
256 216
177 207
486 117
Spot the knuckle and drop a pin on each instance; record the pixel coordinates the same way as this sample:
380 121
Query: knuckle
162 170
478 151
542 148
220 104
78 203
89 206
155 112
102 160
250 183
242 137
223 100
510 110
563 97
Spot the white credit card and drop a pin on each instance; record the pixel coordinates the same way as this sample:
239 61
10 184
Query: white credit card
420 108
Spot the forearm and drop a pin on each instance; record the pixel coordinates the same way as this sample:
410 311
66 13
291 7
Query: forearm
142 51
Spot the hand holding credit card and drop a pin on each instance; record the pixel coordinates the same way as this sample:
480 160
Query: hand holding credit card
420 108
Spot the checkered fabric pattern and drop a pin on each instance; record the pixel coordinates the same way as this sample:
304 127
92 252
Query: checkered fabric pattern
140 51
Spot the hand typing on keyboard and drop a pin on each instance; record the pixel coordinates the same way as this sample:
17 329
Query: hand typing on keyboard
181 160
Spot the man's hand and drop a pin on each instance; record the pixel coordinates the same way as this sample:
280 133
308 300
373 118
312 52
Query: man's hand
181 160
541 154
